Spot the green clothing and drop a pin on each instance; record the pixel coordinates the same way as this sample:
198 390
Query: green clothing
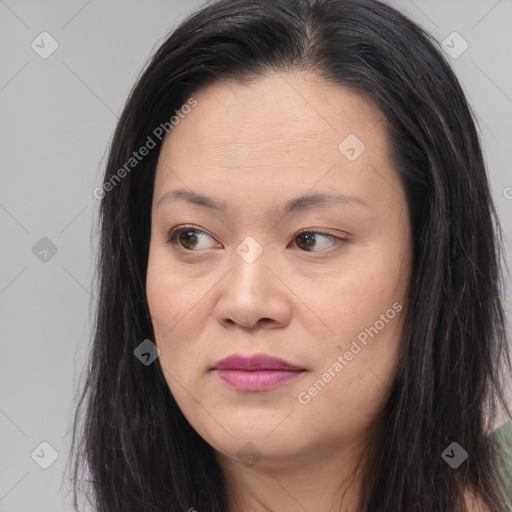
503 438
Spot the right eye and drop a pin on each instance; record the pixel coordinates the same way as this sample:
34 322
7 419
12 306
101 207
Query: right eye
189 238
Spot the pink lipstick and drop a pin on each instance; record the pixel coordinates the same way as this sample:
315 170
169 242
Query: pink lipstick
256 372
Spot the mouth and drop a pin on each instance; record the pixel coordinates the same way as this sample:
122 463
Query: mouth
257 372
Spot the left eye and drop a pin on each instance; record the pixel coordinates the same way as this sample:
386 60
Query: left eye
190 239
309 239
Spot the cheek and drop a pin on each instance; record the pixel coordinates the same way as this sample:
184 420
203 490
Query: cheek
362 291
167 305
179 309
364 308
356 366
173 296
166 309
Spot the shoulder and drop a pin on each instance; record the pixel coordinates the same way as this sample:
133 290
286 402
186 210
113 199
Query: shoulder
503 444
503 438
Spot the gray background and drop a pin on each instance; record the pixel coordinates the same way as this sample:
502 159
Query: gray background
58 115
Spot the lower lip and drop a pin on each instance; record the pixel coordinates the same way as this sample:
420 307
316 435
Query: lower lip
258 380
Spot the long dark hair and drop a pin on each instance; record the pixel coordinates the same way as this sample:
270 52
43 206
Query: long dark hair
139 451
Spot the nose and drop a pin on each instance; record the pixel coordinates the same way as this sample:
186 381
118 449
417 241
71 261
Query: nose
253 296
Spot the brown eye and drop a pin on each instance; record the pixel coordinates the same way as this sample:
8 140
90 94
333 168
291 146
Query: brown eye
307 240
189 238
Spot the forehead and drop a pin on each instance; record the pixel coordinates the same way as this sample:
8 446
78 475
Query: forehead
279 128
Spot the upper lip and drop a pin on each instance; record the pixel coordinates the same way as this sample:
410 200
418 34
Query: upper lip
254 362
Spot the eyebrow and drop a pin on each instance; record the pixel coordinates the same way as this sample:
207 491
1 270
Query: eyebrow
299 204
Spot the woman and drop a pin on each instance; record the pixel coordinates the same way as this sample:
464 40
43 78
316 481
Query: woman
299 301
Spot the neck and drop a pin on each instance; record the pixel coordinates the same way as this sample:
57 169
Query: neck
322 480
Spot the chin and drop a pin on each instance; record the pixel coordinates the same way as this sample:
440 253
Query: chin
261 442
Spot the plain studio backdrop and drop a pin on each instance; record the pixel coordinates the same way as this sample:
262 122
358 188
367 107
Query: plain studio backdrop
67 68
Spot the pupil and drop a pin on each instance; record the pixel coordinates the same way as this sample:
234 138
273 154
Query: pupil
187 237
310 240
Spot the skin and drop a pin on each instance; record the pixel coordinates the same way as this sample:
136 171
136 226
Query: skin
255 146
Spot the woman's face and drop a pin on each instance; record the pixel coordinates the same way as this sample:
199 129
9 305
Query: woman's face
249 173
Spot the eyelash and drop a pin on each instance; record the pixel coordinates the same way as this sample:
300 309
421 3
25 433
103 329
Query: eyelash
174 233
